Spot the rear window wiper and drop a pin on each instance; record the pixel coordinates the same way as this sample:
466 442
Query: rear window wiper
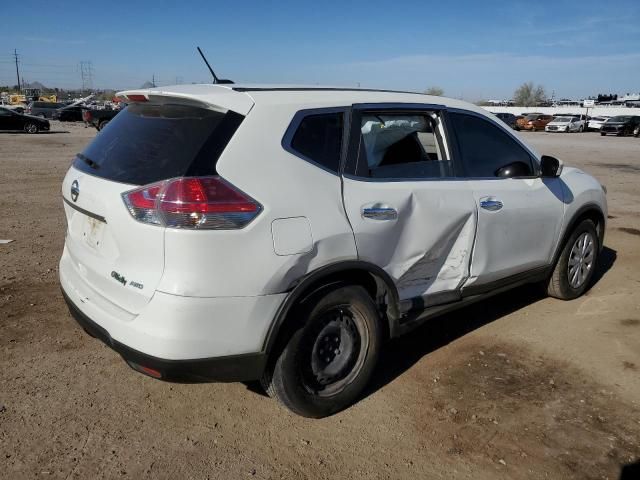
88 161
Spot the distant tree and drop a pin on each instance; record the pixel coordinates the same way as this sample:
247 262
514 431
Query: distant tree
435 91
529 95
106 95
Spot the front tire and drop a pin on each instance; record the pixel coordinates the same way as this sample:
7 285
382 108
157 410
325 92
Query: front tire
329 358
576 264
31 128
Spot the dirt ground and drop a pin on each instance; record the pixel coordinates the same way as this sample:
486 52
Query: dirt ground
520 386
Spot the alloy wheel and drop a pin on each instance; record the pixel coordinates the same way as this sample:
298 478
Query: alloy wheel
581 260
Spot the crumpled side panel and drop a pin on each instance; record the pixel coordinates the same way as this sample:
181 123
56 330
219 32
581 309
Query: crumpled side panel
446 262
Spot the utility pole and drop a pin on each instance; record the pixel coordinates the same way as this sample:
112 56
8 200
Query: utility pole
153 79
15 55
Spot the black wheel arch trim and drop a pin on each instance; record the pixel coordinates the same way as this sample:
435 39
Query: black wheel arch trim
572 224
314 280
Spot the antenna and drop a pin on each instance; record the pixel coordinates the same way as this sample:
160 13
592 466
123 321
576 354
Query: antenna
216 80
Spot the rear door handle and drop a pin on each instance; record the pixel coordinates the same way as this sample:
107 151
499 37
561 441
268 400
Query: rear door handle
492 204
379 212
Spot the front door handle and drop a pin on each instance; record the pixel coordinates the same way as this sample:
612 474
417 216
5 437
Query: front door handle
492 204
379 212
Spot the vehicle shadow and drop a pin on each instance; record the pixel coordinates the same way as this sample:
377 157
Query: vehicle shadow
400 354
630 471
606 260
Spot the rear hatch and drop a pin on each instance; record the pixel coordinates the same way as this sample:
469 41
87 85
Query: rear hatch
117 256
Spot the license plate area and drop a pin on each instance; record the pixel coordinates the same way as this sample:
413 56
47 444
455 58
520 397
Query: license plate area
93 232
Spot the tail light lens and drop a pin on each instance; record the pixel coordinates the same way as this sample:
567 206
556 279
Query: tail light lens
86 115
202 203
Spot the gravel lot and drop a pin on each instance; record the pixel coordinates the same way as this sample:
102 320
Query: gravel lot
520 386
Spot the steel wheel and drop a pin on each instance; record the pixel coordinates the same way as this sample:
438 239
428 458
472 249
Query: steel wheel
581 260
328 353
335 351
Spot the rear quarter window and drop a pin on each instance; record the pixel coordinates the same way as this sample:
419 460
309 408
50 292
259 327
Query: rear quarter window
148 143
318 138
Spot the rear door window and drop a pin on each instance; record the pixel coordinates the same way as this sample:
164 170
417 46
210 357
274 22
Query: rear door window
401 146
148 143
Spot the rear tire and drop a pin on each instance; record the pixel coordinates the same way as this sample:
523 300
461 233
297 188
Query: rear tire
329 358
602 134
31 128
576 264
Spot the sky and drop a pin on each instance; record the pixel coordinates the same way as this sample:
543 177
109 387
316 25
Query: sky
481 49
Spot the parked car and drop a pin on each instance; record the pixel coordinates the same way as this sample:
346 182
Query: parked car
581 116
620 125
9 106
534 122
98 118
230 232
12 120
595 123
68 114
565 124
508 118
43 109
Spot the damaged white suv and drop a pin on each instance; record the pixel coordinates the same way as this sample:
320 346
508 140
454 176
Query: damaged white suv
232 233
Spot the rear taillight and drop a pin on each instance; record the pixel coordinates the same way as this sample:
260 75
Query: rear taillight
205 203
86 115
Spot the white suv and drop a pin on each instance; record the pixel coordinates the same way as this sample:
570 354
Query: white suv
232 233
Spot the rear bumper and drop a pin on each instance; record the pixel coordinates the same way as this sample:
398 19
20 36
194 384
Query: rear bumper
232 368
183 338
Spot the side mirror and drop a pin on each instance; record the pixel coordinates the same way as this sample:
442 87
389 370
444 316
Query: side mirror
550 167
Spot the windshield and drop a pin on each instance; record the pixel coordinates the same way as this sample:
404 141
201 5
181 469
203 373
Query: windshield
562 119
531 117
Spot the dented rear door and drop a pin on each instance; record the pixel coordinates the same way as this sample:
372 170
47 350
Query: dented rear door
409 214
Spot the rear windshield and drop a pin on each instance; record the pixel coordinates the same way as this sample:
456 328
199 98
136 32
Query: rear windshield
147 143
